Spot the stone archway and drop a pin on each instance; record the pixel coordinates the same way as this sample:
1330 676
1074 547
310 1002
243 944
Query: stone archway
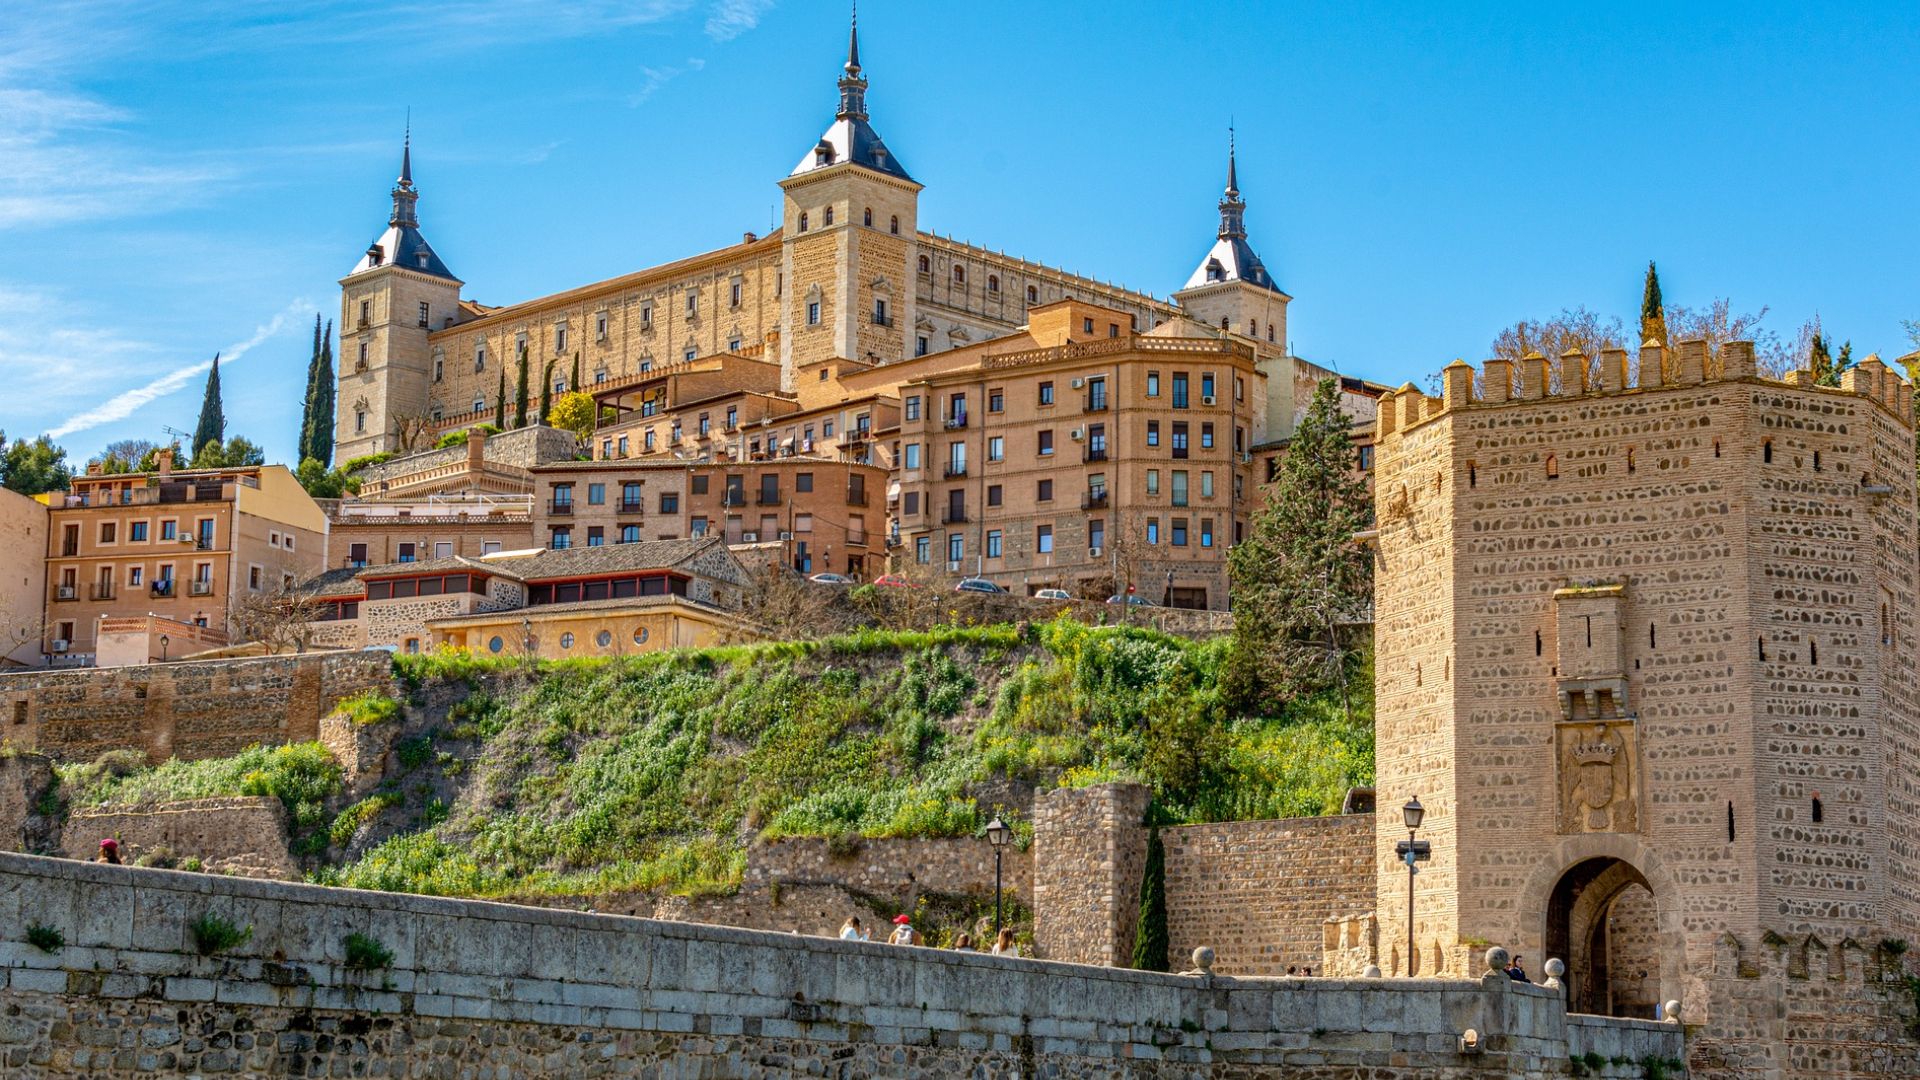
1602 921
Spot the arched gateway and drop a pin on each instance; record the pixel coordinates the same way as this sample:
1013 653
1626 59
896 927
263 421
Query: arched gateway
1602 919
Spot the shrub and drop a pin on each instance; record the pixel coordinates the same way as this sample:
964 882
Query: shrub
369 707
349 821
367 954
45 938
213 934
299 774
366 461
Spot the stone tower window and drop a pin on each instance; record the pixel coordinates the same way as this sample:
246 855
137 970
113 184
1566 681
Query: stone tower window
1651 642
866 217
926 265
1629 459
1539 644
993 283
1816 461
827 216
893 226
1033 295
803 221
1763 648
1716 448
959 275
1553 467
1473 471
1766 451
1813 652
1817 809
1729 823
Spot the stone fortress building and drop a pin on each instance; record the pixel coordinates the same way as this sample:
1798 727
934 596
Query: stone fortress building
850 275
1646 654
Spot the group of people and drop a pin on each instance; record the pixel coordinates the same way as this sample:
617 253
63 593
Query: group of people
905 934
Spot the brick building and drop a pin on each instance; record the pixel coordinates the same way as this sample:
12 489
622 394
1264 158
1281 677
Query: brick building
184 545
1647 658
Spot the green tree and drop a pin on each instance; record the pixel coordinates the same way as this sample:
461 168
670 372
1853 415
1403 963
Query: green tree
574 383
520 395
546 391
324 483
233 453
316 415
123 455
573 412
35 468
500 402
1150 934
212 427
1301 581
1653 311
150 461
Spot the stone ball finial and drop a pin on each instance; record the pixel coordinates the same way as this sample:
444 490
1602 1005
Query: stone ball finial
1372 972
1497 960
1671 1011
1554 969
1203 959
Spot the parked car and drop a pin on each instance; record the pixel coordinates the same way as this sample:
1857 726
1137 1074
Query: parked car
978 584
1131 601
831 579
1053 594
894 581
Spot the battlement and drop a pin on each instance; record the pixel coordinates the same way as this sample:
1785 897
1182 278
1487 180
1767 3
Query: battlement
1573 374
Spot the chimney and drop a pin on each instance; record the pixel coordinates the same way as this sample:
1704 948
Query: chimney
163 463
748 237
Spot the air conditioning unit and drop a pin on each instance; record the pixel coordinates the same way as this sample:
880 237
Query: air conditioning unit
1078 383
784 535
60 644
953 566
1206 399
750 538
1079 433
1093 552
68 592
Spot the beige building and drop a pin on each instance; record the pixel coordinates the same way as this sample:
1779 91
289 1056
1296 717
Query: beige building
23 585
1647 658
590 629
186 545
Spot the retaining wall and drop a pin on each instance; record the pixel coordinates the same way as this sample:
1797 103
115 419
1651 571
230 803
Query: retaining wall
478 988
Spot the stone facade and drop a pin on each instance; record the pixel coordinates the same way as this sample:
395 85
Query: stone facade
243 835
477 987
191 709
1259 892
1089 852
1655 637
23 587
891 867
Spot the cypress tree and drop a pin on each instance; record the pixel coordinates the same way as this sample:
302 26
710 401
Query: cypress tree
546 390
575 383
322 448
304 449
212 427
1820 362
1150 935
1653 313
520 400
500 403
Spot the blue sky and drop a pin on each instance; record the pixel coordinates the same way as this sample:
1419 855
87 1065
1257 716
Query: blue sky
181 178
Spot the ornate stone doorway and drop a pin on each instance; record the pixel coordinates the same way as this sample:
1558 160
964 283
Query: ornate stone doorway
1602 921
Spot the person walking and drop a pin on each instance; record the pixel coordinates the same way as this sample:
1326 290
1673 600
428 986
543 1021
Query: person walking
109 852
851 930
963 943
1004 946
1516 972
903 932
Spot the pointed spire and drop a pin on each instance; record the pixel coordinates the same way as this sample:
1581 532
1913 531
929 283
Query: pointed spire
1233 210
406 154
404 196
853 42
1233 177
853 85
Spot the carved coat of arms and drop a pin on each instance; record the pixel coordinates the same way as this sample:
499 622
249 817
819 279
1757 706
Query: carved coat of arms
1598 787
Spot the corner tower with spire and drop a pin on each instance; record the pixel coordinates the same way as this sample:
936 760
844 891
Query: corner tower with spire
394 297
850 220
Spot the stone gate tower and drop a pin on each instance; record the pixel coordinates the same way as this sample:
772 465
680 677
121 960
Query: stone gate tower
1647 655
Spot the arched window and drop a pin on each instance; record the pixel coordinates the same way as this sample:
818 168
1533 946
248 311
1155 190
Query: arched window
829 216
993 283
1269 332
1817 808
1033 295
894 226
1813 652
1539 645
1553 467
803 221
959 275
1253 327
867 217
1629 459
926 265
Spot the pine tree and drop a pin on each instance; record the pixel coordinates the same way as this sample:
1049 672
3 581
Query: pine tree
520 400
546 391
1653 313
500 403
322 448
1150 934
212 427
1820 362
1301 580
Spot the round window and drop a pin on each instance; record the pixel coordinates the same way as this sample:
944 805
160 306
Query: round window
640 636
495 644
566 640
604 638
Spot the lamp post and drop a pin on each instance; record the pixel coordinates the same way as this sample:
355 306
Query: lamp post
998 833
1412 851
164 640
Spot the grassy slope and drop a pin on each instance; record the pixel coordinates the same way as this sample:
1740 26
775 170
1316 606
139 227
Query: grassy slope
657 771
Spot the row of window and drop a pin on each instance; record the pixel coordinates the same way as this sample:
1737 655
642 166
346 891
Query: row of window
955 413
140 532
1095 435
107 580
1096 495
772 526
866 218
604 639
409 551
1179 533
632 497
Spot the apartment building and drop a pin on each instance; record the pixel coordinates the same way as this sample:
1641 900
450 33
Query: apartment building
372 533
1083 456
184 545
827 513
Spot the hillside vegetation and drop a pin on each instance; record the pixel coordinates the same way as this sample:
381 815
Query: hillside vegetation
658 771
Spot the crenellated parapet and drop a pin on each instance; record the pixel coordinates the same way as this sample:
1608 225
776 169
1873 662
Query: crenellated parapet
1573 374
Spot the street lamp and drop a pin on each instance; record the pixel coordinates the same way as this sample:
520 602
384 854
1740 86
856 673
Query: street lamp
1412 851
998 833
164 640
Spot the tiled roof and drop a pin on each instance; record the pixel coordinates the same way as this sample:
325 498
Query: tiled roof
341 583
605 559
449 565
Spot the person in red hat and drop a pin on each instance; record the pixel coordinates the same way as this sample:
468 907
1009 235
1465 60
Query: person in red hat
903 932
109 852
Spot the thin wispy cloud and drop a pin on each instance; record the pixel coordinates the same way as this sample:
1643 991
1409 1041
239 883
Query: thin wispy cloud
728 19
653 78
126 403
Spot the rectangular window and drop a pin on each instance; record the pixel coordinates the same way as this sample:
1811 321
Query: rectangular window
733 294
1046 442
693 302
669 502
600 326
137 531
1206 485
596 494
1043 490
920 349
803 481
1153 530
1206 384
1096 394
923 545
134 575
169 530
596 536
1046 393
993 543
913 407
1179 532
562 537
1096 534
1153 433
1179 389
560 338
912 456
1206 436
993 495
813 313
1206 532
699 482
997 448
1179 439
1179 487
910 504
107 532
1153 481
1153 384
1043 540
996 401
443 549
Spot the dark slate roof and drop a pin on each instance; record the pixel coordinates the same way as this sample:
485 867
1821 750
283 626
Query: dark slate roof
403 246
851 138
1231 259
570 562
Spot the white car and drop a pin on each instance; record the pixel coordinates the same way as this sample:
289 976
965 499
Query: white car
1052 594
831 579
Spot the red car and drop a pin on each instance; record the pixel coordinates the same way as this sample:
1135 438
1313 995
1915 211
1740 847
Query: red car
894 581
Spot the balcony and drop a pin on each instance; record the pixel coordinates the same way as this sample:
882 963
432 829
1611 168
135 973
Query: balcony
768 498
857 497
1095 500
882 320
69 550
200 588
67 592
1095 403
162 587
954 516
734 497
630 506
954 469
1094 453
564 506
956 421
101 591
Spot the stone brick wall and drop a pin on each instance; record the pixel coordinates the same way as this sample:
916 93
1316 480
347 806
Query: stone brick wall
190 709
522 447
23 777
478 988
1089 852
891 867
244 835
1260 892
